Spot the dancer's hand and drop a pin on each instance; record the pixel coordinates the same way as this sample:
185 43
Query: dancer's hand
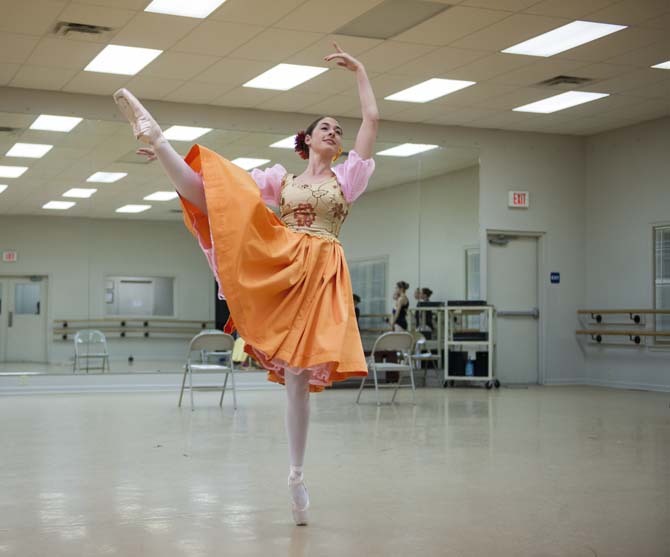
147 152
343 59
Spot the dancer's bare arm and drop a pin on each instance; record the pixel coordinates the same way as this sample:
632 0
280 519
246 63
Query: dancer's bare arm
367 134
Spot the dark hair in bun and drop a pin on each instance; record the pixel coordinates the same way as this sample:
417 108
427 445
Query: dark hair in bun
427 292
402 285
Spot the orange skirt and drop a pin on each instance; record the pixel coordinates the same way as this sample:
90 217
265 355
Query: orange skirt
289 293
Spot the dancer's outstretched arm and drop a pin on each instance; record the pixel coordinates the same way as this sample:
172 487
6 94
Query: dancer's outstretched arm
367 134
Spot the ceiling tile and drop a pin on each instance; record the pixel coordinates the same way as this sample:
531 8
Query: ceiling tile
460 116
451 25
337 80
518 97
509 5
571 9
63 53
96 83
602 71
614 45
217 38
245 97
659 90
15 49
540 70
291 101
179 65
313 54
476 95
644 57
391 54
489 67
274 45
197 92
150 30
440 61
232 71
39 77
30 17
7 72
125 4
152 87
632 80
96 15
335 105
319 15
630 12
660 21
255 12
508 32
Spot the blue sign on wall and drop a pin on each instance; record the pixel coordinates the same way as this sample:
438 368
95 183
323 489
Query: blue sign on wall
555 278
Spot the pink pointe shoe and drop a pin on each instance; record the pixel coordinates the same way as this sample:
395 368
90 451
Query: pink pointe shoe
299 514
144 126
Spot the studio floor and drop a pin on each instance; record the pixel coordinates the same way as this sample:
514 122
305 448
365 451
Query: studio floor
542 472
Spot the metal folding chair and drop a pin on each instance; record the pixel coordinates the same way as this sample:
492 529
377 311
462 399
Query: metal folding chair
90 344
402 344
207 345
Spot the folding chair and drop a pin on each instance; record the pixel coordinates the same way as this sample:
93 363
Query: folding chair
209 344
90 344
422 354
402 344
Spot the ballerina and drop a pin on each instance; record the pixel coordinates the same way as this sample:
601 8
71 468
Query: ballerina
285 278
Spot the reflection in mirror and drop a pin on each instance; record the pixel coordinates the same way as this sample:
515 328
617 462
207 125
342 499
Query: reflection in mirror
118 260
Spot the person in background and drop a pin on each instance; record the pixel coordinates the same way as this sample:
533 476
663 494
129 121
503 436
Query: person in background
399 318
357 300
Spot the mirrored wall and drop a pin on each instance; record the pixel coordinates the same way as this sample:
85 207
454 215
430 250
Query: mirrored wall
93 239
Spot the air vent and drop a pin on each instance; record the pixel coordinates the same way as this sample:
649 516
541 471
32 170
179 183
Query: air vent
69 29
390 18
565 81
7 129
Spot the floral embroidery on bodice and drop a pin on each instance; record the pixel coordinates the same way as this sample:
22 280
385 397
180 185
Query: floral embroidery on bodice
317 209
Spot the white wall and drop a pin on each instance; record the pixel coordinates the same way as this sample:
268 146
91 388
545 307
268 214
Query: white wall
387 222
77 254
627 192
551 168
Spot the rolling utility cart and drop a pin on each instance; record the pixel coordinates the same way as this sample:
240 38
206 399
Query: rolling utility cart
469 346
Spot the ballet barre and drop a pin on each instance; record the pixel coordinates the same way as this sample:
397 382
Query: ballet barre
636 316
133 328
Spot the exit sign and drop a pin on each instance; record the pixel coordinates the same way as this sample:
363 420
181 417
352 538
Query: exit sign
9 256
519 199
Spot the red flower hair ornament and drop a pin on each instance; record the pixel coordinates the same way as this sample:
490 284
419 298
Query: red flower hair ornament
301 146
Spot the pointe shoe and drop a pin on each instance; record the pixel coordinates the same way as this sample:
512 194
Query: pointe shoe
299 514
144 126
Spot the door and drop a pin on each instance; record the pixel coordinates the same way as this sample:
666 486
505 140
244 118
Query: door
23 315
512 281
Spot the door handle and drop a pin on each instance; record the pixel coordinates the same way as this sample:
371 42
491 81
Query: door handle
534 313
11 318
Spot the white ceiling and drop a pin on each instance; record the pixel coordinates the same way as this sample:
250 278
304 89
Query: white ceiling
205 62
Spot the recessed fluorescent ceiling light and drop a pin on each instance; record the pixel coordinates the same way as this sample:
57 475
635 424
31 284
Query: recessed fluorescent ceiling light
3 187
561 102
663 66
162 196
564 38
248 164
284 77
191 8
51 123
29 150
407 150
429 90
84 193
184 133
124 60
12 171
106 177
133 208
60 205
286 143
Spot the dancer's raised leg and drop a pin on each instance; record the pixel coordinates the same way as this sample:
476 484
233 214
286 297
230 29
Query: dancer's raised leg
297 423
185 180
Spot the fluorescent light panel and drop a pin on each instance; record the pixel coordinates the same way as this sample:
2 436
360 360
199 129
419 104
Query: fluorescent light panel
106 177
429 90
407 150
286 143
284 77
47 122
83 193
12 171
564 38
3 187
133 208
185 133
663 66
29 150
185 8
123 60
561 102
59 205
162 196
248 163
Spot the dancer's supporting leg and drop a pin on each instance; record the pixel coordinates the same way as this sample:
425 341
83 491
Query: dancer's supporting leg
185 180
297 422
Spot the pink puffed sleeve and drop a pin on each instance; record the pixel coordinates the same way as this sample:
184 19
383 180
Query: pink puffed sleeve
353 175
269 182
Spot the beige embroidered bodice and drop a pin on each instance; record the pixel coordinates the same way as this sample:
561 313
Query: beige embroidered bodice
317 209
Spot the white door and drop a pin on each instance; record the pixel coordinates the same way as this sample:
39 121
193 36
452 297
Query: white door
512 281
24 319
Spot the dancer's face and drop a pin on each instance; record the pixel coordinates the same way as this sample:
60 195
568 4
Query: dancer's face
326 139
